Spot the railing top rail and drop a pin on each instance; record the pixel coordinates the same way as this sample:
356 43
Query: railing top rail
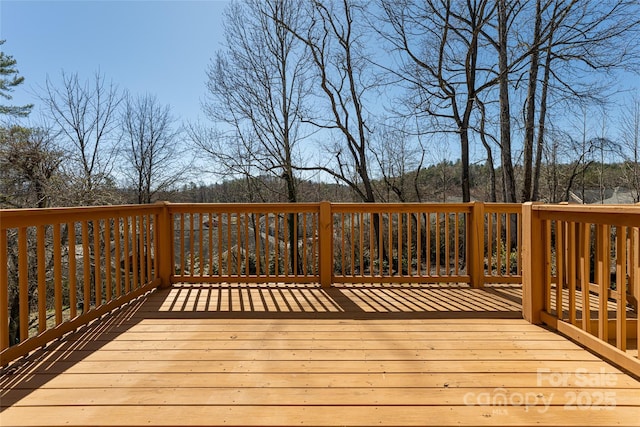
619 215
401 207
12 218
502 207
241 207
587 209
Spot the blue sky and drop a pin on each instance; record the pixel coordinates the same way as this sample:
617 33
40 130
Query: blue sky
157 47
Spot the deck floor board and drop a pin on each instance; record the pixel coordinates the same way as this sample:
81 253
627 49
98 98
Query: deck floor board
169 359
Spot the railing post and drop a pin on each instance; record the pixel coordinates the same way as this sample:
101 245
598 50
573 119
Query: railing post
165 245
533 264
325 241
475 242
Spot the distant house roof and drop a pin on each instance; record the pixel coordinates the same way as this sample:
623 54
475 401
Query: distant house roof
612 196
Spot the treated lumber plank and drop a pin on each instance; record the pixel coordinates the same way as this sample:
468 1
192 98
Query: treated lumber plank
267 322
319 366
321 415
311 380
399 326
319 336
202 343
347 354
338 396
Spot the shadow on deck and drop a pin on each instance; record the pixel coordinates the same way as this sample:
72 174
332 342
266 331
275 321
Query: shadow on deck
344 301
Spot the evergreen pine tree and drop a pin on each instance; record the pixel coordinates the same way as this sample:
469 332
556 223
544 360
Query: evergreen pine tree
9 79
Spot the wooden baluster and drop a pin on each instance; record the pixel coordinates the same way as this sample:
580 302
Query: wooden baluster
4 292
201 243
621 287
127 258
438 243
73 301
603 271
23 282
547 262
418 217
107 259
42 279
192 251
572 271
96 260
560 266
57 273
134 252
456 247
149 241
585 252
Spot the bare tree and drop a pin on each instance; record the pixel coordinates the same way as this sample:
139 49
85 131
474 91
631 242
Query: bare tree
547 49
257 88
233 159
30 164
151 147
343 80
31 177
630 127
576 154
487 139
542 113
439 44
506 157
85 114
400 159
573 42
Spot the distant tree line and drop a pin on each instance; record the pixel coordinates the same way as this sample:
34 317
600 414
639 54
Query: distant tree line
585 180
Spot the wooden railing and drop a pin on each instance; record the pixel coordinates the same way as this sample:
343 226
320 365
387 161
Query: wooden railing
582 275
345 243
412 243
215 243
502 242
61 268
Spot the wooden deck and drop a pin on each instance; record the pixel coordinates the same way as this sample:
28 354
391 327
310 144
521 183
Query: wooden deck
302 355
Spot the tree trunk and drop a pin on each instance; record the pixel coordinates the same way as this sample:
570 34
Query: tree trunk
530 109
508 179
493 197
466 184
542 120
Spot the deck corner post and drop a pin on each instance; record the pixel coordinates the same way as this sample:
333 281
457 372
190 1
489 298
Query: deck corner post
164 236
325 237
533 265
475 239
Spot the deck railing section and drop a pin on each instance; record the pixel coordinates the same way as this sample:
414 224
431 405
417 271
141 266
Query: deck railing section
582 276
250 243
409 243
61 268
346 243
503 242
